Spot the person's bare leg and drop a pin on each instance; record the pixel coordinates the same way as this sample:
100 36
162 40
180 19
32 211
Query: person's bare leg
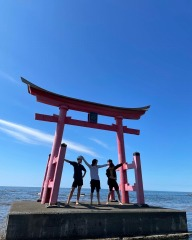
98 198
70 195
91 196
108 197
119 197
78 194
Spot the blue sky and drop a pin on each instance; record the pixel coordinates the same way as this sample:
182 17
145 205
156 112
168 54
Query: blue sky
120 53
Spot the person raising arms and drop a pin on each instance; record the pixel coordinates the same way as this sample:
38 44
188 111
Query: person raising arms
112 180
95 180
78 178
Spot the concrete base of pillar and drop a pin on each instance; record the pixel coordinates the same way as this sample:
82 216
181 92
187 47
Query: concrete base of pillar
33 220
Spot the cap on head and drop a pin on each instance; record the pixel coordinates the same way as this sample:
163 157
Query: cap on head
109 161
79 158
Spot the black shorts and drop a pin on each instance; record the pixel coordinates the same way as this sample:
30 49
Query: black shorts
77 182
113 184
95 184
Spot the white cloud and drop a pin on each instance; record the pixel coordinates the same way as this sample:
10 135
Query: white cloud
100 143
27 131
17 135
80 148
7 77
34 136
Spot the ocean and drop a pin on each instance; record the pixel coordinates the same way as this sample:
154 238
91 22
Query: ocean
173 200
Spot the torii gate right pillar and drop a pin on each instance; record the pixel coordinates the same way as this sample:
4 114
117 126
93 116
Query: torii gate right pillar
122 159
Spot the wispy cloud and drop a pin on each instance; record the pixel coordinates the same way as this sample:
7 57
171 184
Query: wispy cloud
100 143
80 148
17 135
8 77
26 132
33 136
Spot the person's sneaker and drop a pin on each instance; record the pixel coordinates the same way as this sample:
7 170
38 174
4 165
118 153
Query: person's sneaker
77 203
120 203
107 203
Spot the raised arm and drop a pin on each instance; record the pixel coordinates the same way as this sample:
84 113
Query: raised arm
88 165
118 165
66 160
104 165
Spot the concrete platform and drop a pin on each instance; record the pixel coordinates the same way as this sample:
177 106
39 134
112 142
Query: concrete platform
32 220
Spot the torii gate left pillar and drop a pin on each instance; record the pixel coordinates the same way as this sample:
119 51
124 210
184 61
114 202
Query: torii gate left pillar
46 193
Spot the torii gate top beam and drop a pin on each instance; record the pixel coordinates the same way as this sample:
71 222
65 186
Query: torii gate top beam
57 100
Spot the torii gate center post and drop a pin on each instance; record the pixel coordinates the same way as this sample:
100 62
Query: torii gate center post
93 109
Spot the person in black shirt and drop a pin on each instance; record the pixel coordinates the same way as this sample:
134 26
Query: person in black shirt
78 178
112 180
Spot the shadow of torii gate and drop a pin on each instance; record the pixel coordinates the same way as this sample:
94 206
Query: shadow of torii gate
51 183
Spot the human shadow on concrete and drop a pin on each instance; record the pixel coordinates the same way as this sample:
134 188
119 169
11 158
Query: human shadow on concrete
103 206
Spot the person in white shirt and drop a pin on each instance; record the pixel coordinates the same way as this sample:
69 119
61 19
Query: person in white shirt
95 180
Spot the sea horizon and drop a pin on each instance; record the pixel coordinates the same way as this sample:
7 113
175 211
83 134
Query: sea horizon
149 190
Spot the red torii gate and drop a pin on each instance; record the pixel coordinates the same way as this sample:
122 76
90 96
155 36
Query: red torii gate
51 184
